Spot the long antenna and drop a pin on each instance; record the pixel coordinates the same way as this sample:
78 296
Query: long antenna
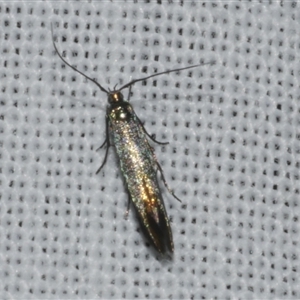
164 72
87 77
129 83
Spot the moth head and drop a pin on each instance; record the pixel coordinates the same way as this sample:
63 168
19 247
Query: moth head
115 97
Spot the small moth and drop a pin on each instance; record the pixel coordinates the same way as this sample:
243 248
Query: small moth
137 159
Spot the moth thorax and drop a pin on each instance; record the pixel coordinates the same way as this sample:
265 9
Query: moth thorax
122 112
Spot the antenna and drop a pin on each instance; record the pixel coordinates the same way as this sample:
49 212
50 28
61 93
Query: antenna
87 77
129 83
164 72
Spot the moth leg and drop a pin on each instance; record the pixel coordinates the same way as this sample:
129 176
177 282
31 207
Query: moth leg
155 141
129 93
128 208
107 142
102 145
165 182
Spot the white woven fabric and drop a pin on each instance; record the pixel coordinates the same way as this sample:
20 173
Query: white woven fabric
233 156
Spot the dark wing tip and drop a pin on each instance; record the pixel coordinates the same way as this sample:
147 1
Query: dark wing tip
158 230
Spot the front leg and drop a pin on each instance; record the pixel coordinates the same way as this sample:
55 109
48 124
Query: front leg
107 142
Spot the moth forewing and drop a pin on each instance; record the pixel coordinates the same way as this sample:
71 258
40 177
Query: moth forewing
139 168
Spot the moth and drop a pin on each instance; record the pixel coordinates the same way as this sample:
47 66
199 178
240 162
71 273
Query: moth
138 163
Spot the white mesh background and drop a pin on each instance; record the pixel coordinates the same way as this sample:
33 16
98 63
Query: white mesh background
233 156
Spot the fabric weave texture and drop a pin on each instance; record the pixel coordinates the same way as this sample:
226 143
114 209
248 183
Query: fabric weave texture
233 153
